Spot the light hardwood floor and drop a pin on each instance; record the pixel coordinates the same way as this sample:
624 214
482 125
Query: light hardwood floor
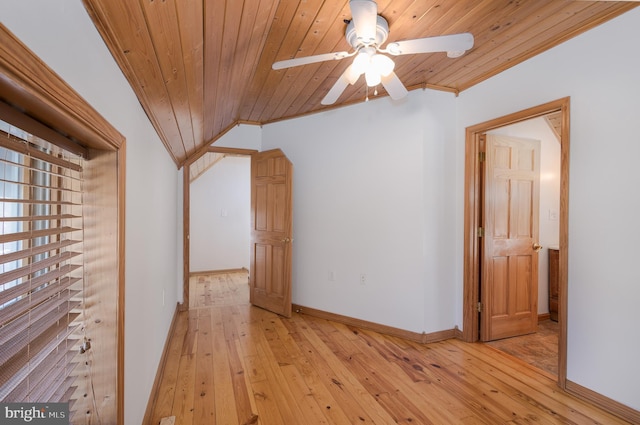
539 349
231 363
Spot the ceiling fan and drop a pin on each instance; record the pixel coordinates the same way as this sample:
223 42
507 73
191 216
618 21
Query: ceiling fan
366 33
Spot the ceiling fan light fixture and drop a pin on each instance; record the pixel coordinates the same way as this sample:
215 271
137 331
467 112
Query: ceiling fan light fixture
366 32
382 64
372 77
361 62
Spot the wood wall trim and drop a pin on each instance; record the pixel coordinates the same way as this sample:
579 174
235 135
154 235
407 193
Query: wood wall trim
623 411
544 316
232 151
29 85
186 229
422 338
153 396
205 148
471 222
121 278
214 272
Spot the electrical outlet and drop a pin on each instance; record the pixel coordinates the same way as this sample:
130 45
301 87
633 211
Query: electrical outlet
363 278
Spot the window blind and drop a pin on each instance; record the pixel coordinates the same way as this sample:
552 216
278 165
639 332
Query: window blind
41 273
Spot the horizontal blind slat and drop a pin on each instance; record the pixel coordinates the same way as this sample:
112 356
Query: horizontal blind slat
40 186
27 303
15 291
36 266
21 236
65 391
43 346
30 218
53 309
42 376
52 382
13 359
40 249
37 202
18 145
67 174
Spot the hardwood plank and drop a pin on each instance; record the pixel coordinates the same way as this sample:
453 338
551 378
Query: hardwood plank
539 389
204 408
223 390
166 390
214 15
166 36
245 407
184 398
189 15
361 404
123 27
241 364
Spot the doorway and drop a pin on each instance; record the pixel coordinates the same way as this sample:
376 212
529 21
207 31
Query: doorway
192 170
271 228
473 220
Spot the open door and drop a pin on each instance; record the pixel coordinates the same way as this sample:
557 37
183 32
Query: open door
271 232
509 277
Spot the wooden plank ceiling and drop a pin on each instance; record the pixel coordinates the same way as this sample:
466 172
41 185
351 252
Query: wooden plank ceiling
199 67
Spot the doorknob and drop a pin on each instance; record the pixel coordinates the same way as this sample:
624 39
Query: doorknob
286 240
537 247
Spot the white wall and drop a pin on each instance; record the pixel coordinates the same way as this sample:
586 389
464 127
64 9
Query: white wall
371 196
241 137
62 34
220 216
549 223
599 70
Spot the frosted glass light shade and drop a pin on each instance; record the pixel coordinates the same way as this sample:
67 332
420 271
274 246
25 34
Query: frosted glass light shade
373 77
361 63
382 64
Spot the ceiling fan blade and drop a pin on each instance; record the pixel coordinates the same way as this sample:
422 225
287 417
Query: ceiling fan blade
337 89
443 43
309 59
394 86
364 14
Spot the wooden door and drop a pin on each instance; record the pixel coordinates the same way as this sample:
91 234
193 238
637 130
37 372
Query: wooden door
271 231
509 275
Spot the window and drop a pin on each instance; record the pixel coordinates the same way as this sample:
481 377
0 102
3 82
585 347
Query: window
41 273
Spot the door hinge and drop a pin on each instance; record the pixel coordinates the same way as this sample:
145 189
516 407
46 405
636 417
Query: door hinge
479 307
480 232
482 156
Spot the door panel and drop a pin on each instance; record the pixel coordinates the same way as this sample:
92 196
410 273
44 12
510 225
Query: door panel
509 288
271 234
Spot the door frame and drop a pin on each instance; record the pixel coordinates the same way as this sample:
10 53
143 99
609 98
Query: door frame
186 215
472 213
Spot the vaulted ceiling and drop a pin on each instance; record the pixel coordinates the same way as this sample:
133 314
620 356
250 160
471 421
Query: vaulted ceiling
200 67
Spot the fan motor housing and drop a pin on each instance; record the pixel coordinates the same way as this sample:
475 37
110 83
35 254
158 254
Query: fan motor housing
382 32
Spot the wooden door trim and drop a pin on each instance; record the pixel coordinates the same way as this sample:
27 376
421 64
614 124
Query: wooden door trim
472 205
186 218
